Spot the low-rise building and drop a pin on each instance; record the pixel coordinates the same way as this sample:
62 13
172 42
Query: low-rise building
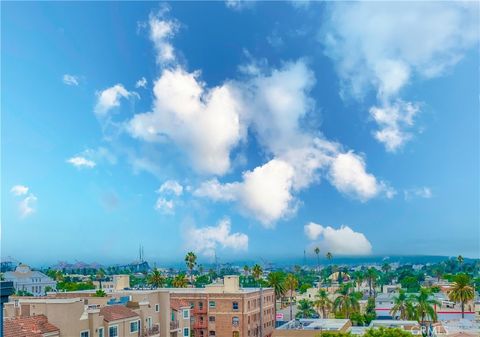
312 327
31 281
116 283
35 326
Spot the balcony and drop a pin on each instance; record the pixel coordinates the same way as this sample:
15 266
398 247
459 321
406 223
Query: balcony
174 325
154 331
199 311
200 325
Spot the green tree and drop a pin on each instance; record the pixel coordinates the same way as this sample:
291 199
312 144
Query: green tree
156 279
411 284
403 306
370 313
100 293
180 281
291 283
322 302
329 256
462 291
305 309
371 276
191 262
358 277
424 306
317 252
275 280
257 272
387 332
246 270
346 301
100 276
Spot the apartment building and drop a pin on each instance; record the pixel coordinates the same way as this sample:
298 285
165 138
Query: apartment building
37 326
225 309
312 327
128 313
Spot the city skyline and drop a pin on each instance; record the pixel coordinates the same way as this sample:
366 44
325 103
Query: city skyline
266 131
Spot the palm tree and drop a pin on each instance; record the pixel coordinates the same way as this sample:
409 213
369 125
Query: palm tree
191 262
424 305
156 279
291 283
346 301
246 270
402 304
438 272
329 256
358 278
322 302
180 281
305 309
275 281
462 291
371 276
386 267
257 272
100 276
317 252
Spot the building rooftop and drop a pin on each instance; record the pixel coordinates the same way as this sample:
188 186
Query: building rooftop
34 326
315 324
178 304
116 312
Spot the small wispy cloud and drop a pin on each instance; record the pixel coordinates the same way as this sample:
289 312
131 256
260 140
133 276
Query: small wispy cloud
141 83
27 204
70 80
81 162
418 192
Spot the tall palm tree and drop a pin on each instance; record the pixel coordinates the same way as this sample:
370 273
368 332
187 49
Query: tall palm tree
462 291
180 281
191 262
386 267
100 276
257 272
156 279
347 301
371 276
275 281
317 252
425 306
246 270
322 302
291 283
403 305
358 277
329 256
305 309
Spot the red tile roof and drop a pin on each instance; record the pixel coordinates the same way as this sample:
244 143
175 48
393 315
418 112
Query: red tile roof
116 312
33 326
177 304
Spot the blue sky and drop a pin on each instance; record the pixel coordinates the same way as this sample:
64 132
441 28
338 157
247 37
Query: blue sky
247 130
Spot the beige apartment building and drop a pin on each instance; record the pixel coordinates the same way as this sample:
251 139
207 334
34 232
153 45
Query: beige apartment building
227 310
145 313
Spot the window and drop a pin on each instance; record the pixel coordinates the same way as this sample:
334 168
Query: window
133 326
200 305
186 314
100 332
186 332
211 318
236 334
211 304
113 331
85 333
211 333
149 322
235 321
157 307
235 305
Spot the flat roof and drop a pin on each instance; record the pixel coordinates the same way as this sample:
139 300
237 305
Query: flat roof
315 324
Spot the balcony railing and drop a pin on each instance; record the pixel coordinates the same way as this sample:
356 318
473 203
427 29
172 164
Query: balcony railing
153 331
174 325
202 310
200 325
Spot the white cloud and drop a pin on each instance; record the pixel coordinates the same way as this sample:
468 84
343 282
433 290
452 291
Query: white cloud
161 31
385 46
165 206
204 122
265 193
239 5
81 162
110 98
418 192
341 241
171 186
348 174
206 240
141 83
19 190
26 206
70 79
